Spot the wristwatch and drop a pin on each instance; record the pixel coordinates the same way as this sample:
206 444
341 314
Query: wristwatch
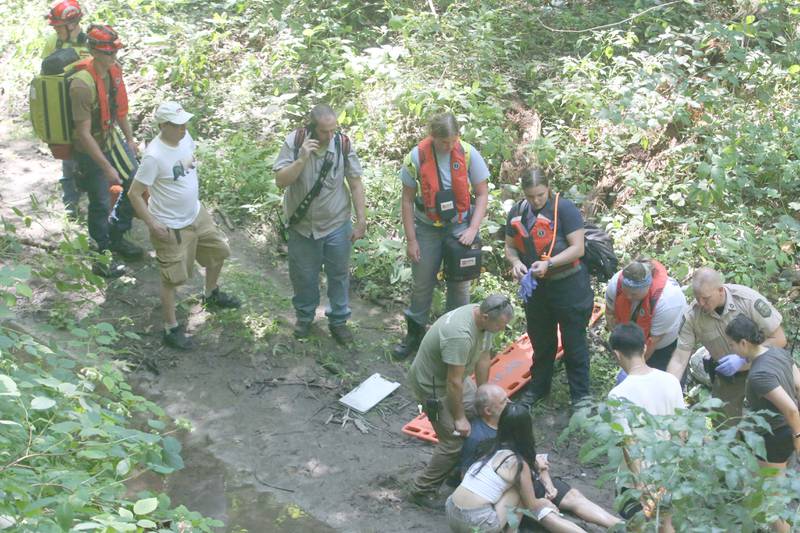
549 264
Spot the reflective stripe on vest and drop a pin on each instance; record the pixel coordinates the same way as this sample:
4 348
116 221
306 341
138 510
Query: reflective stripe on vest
428 177
623 306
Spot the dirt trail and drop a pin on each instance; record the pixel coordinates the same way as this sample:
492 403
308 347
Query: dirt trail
262 403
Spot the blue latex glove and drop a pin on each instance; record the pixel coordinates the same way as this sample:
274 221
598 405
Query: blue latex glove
621 376
730 364
526 286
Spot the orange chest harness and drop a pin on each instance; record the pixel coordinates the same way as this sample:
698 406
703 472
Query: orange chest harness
114 108
643 314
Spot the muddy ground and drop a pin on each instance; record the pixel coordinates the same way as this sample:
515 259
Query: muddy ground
271 449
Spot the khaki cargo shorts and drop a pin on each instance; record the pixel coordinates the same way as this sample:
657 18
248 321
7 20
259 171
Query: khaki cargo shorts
200 241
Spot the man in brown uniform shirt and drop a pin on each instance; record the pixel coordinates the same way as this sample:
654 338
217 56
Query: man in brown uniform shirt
715 305
98 104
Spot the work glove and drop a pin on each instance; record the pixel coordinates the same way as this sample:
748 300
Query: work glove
527 284
730 364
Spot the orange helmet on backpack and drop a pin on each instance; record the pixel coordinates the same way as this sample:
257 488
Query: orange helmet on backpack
64 12
103 38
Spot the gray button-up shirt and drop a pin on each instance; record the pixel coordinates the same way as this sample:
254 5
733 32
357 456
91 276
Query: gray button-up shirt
332 208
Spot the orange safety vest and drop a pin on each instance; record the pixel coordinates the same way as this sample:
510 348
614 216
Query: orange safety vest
623 306
429 177
538 244
119 108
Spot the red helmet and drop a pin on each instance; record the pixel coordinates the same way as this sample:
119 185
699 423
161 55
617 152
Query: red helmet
64 12
102 37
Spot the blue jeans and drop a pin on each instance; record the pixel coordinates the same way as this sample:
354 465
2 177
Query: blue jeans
107 223
307 257
423 273
70 196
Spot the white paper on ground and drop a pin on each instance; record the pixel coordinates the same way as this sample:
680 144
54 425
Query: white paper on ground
369 393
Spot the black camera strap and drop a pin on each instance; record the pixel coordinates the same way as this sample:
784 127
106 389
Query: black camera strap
311 195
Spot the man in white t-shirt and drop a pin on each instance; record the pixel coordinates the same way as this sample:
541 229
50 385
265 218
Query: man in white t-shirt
181 230
657 392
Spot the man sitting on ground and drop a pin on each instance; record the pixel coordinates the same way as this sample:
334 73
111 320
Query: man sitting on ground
490 400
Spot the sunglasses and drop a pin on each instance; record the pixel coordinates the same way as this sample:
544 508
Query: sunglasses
502 305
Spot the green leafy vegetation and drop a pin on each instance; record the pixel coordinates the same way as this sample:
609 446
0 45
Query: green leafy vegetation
686 466
74 434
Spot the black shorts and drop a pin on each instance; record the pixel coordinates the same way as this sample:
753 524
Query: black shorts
779 445
562 488
630 507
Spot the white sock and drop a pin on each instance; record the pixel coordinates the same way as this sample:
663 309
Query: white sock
170 327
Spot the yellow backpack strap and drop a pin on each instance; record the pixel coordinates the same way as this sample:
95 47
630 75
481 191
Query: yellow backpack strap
86 78
408 163
467 153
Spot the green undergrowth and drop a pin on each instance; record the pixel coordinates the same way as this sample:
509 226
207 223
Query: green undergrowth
74 432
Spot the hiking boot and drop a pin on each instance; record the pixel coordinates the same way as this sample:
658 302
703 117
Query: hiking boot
302 329
114 269
341 333
126 249
528 397
222 300
428 500
414 334
176 338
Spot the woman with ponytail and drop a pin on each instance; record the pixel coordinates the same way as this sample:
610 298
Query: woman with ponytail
773 385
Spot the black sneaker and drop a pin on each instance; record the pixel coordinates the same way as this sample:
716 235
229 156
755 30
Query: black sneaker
114 269
222 300
302 329
176 338
341 333
126 249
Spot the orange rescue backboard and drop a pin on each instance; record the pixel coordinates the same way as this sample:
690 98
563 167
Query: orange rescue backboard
511 369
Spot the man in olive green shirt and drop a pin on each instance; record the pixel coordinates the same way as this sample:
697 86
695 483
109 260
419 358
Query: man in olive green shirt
716 304
457 344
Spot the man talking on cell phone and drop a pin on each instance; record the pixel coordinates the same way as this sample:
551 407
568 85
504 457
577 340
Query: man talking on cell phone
312 167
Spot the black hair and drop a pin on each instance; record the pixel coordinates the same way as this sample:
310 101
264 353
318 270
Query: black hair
515 433
743 327
534 177
627 339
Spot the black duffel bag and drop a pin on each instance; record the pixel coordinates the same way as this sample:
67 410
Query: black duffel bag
461 263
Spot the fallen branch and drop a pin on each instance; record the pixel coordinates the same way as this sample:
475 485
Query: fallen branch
270 485
611 25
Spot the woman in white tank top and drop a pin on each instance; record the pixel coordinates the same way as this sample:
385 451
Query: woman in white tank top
501 481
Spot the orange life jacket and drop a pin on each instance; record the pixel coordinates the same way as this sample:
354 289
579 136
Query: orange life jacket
118 108
538 244
623 306
429 177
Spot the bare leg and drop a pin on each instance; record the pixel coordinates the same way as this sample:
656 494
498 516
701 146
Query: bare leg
167 295
585 509
558 524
